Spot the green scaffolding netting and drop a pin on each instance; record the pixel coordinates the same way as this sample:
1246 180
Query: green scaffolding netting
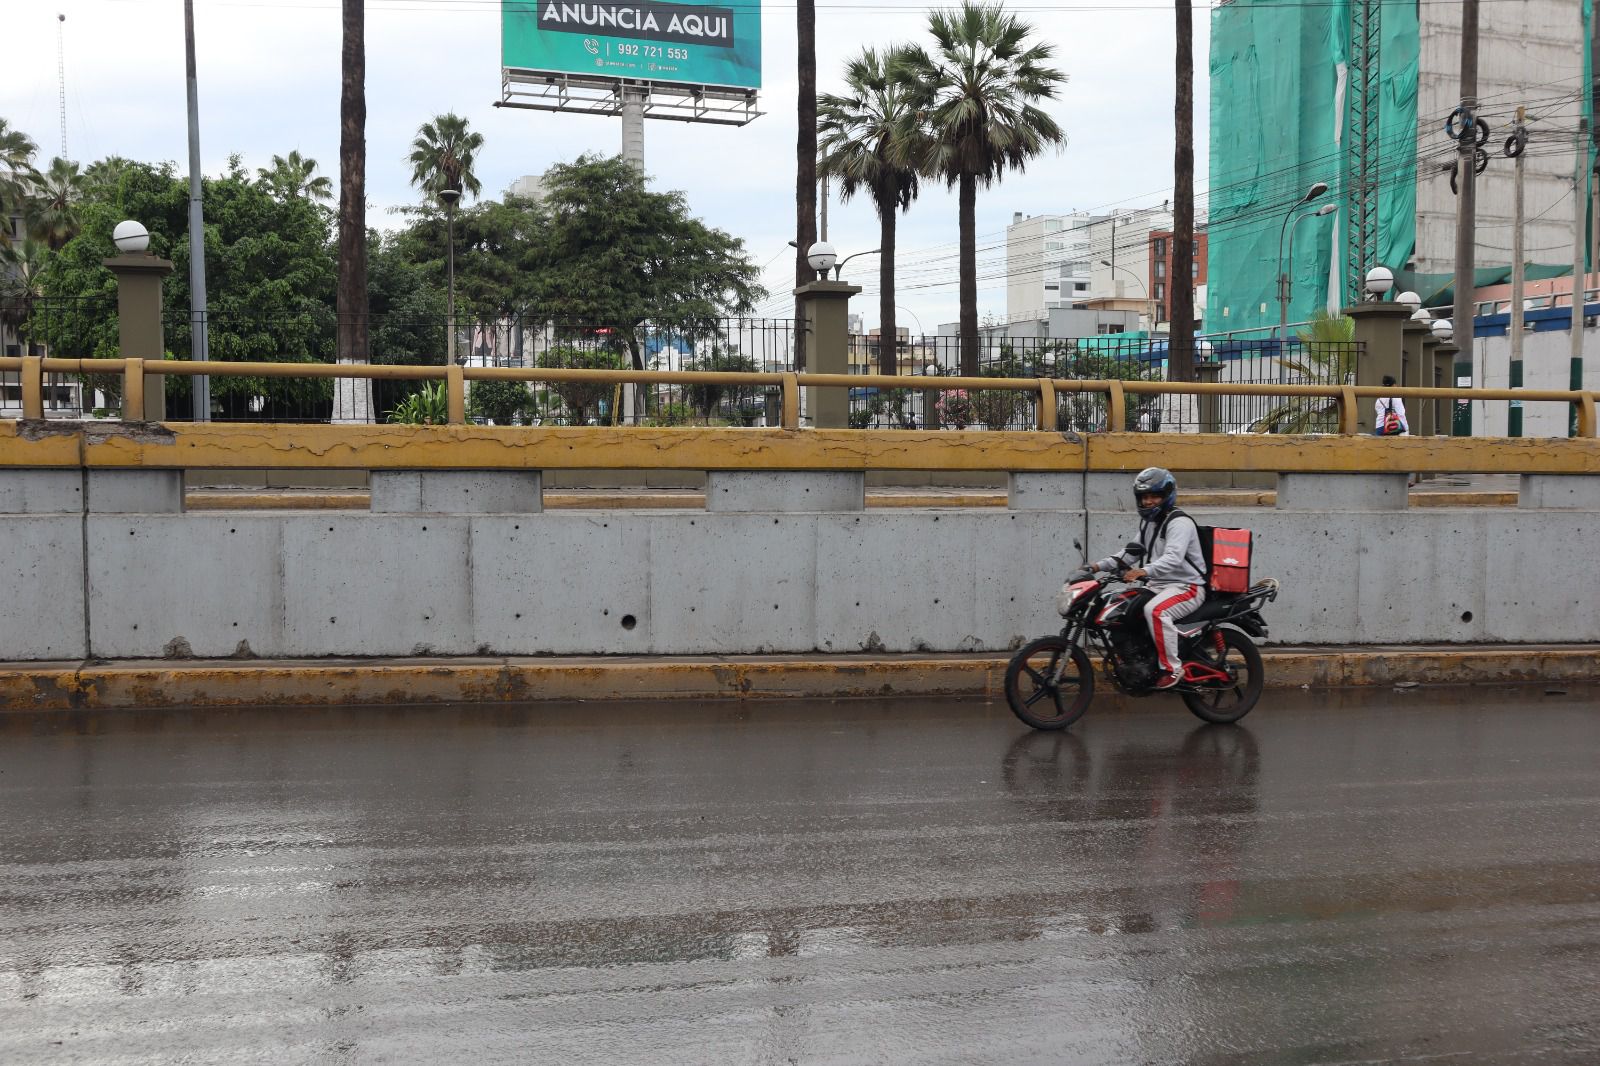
1280 109
1280 116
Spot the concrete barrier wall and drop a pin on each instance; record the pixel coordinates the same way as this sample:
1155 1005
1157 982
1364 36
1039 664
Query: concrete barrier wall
306 584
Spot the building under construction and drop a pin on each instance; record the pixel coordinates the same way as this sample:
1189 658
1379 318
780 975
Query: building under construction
1358 94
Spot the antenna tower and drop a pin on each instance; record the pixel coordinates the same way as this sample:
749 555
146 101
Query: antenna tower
61 75
1361 162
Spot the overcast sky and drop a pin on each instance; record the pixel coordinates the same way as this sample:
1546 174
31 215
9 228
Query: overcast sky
269 82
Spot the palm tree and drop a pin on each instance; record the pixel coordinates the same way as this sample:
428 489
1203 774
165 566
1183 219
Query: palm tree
295 176
442 156
51 209
976 95
1180 286
859 138
805 174
20 266
350 295
1327 358
16 155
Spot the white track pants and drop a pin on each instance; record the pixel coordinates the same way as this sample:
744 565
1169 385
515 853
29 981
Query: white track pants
1169 605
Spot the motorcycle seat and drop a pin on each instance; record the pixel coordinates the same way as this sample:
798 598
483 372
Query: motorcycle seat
1217 606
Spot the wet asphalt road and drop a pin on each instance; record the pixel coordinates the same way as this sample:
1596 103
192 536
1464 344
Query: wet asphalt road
1354 878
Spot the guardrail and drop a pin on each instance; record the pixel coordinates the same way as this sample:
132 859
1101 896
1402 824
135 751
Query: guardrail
1047 390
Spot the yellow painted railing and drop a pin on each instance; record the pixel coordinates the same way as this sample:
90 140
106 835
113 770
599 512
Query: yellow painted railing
1347 397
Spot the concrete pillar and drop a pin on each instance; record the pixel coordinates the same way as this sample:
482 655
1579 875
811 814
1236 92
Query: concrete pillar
1444 369
762 490
139 333
1342 492
457 492
827 348
1209 372
1425 420
134 492
1561 492
1380 330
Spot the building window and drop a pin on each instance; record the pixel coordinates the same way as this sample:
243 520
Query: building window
1194 270
1052 225
1161 268
1161 247
1053 246
1080 286
1161 291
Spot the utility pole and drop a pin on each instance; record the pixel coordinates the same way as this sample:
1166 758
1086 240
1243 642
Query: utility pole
822 218
1466 192
805 206
199 340
1518 269
1580 167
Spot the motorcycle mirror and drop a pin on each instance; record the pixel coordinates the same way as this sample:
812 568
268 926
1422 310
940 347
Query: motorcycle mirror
1134 548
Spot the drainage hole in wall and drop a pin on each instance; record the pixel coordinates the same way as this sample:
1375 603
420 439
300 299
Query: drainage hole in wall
774 607
517 615
516 527
606 611
628 621
233 531
936 599
424 529
1466 616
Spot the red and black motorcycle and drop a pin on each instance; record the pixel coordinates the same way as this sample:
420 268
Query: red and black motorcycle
1050 681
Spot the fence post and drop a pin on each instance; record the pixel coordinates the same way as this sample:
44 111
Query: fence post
1380 335
828 348
455 393
1444 357
1047 405
132 389
1585 413
1207 373
32 387
1349 408
1117 409
791 401
139 328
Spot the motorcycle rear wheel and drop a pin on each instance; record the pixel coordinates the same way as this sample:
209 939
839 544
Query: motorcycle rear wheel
1030 690
1224 705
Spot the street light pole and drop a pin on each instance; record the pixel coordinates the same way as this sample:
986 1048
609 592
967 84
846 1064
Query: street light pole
450 196
1142 288
1288 283
1316 190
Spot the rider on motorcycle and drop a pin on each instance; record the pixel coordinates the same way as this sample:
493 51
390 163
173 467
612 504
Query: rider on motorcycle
1174 566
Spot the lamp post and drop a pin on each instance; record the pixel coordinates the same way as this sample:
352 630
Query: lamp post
1142 288
838 270
450 195
1316 190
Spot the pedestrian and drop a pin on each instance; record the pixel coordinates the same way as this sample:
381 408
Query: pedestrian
1389 414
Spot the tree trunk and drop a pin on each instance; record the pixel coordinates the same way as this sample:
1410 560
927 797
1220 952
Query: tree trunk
888 329
1180 286
805 181
352 283
969 275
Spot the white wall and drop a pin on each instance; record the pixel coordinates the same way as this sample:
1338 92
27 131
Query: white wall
1546 364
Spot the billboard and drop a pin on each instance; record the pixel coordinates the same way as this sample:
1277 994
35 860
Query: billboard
689 42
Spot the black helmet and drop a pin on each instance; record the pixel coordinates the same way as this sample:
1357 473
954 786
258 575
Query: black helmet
1155 479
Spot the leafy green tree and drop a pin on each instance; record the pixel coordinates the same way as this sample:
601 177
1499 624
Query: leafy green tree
860 136
443 154
614 254
505 403
721 360
51 210
295 175
582 397
974 98
270 284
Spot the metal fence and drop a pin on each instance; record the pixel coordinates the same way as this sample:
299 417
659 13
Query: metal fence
922 360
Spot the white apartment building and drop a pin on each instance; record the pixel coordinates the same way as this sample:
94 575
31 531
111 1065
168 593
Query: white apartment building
1060 261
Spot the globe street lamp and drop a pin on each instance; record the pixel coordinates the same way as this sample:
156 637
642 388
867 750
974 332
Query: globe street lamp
450 195
1380 279
131 238
821 256
1316 190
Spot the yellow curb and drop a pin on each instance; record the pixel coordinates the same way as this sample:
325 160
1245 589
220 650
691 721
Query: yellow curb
213 683
276 501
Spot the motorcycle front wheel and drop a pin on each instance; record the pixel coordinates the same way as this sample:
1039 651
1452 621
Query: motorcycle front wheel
1034 694
1233 702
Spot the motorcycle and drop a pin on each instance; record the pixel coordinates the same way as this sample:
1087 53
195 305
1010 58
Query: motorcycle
1050 681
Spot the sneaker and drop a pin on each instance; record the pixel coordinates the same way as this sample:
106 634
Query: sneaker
1166 680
